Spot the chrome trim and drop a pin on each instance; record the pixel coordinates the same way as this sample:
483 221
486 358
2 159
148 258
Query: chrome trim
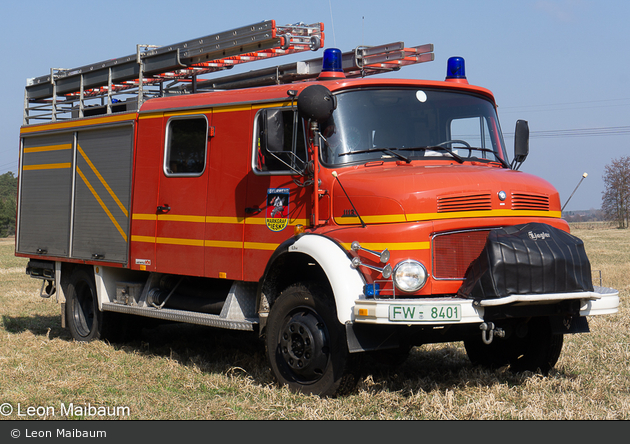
424 282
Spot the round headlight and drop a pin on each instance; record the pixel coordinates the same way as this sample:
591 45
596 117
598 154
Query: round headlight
410 276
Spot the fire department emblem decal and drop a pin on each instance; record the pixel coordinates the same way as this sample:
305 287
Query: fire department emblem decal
277 215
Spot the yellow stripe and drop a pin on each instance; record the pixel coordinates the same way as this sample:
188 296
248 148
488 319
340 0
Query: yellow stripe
224 220
223 244
272 105
392 246
150 115
149 239
215 109
159 114
180 218
232 108
188 113
77 123
40 149
140 216
179 241
380 219
237 220
260 246
105 184
206 243
397 218
100 201
47 166
488 213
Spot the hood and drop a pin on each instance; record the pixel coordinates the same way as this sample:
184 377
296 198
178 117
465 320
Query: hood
392 193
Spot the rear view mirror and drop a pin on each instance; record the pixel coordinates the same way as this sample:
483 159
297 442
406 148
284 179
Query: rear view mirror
281 143
521 143
316 103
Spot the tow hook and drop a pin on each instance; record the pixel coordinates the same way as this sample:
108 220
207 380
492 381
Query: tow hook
48 289
488 331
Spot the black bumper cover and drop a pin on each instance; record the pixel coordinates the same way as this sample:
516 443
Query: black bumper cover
526 259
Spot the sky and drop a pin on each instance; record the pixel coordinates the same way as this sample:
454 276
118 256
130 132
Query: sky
562 65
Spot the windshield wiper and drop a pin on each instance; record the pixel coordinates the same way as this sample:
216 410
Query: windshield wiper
390 151
435 148
496 155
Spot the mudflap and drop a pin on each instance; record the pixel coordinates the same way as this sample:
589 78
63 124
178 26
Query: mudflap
569 325
363 338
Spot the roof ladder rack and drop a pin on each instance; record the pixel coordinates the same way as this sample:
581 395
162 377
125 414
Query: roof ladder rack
360 62
63 93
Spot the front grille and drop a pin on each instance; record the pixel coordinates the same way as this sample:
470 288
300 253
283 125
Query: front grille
529 201
464 202
453 252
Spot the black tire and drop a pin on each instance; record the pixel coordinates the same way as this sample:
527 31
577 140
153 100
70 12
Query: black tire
537 350
306 345
85 320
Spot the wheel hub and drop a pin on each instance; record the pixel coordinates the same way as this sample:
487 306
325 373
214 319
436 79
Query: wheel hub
303 346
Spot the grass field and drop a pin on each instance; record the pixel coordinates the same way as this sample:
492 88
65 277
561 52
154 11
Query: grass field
188 372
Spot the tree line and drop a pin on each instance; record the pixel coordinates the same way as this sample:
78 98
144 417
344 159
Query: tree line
8 195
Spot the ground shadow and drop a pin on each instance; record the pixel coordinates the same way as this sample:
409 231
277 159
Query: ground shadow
222 351
440 370
210 349
49 326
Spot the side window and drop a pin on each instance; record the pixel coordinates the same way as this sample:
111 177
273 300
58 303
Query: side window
279 142
473 130
186 142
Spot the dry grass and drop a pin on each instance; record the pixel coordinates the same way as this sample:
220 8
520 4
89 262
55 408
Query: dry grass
188 372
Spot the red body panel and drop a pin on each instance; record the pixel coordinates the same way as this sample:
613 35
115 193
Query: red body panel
227 183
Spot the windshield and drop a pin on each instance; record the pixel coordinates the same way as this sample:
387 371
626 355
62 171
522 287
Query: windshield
411 124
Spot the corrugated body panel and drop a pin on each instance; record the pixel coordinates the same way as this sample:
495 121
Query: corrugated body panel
45 195
102 195
530 201
471 202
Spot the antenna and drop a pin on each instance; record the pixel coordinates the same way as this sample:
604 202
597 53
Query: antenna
334 174
363 31
332 23
565 204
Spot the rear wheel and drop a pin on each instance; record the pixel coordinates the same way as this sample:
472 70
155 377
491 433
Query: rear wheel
529 347
306 344
85 321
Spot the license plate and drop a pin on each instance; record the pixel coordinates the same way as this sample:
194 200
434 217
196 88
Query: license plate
426 313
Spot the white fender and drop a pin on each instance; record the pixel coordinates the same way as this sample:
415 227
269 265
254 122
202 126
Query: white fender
346 282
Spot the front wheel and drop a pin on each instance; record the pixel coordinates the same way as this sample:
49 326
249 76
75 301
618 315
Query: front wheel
306 344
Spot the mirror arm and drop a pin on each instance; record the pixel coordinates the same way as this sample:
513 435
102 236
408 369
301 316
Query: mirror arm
316 142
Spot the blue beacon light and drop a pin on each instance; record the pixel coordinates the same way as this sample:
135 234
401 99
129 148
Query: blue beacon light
456 70
332 65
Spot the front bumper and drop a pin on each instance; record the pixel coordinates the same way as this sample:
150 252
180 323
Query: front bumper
454 310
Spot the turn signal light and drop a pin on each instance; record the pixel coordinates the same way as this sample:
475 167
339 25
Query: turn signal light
298 229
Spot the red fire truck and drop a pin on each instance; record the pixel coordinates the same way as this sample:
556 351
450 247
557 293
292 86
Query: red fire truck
330 212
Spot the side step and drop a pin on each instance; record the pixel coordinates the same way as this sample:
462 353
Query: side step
238 312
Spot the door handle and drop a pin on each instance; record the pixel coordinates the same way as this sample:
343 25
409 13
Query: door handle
252 210
163 209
